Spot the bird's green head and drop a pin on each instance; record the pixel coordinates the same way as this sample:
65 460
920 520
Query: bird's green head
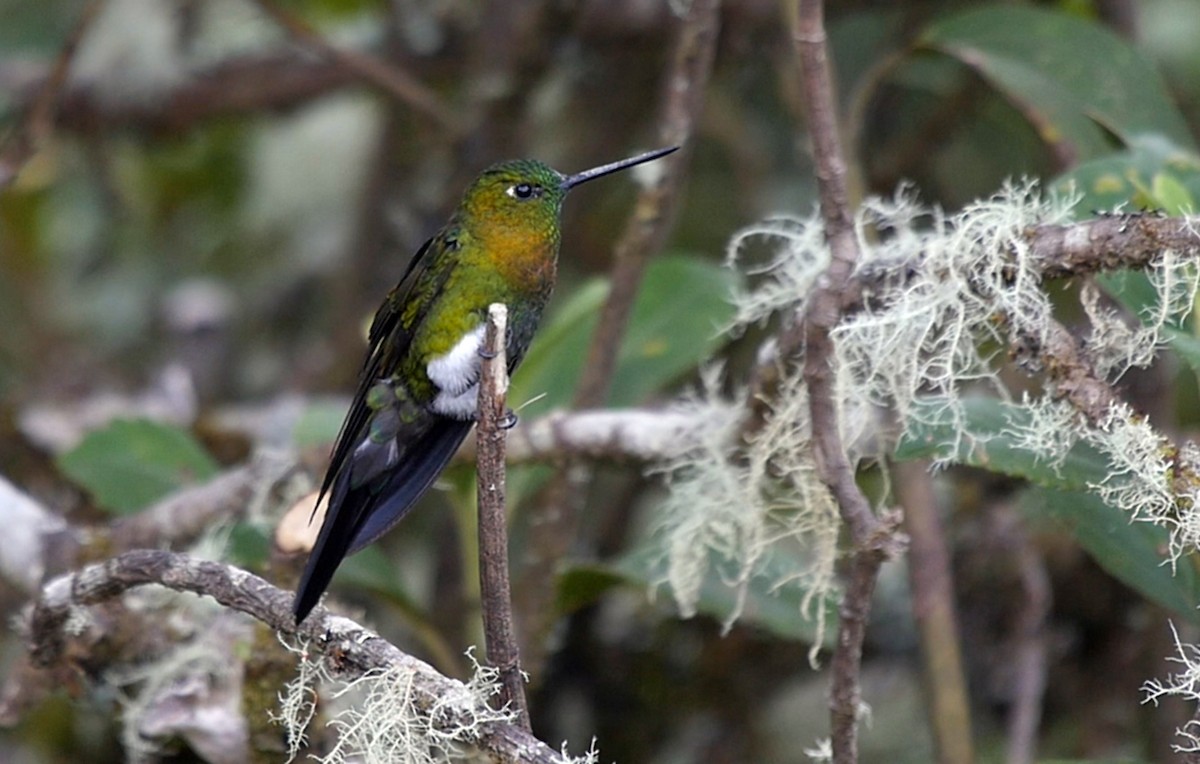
515 196
522 198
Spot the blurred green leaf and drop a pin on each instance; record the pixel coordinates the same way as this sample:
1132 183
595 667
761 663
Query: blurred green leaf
933 432
1073 79
249 545
551 367
1123 181
680 308
581 585
133 462
373 570
1187 346
36 26
1132 552
1170 195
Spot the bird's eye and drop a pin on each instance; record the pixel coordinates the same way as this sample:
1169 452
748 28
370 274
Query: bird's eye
523 191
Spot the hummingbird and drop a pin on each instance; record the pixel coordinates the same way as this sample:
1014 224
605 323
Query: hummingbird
417 391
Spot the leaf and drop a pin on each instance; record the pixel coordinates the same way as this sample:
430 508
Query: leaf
132 463
1170 195
551 367
581 585
1124 181
674 326
1187 346
249 545
1129 551
933 431
1072 79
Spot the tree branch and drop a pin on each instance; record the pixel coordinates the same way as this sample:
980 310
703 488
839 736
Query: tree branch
38 124
502 651
644 235
185 515
931 579
618 436
1110 242
647 228
46 544
348 648
246 85
872 541
382 74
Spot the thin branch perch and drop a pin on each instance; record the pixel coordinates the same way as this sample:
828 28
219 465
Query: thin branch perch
502 651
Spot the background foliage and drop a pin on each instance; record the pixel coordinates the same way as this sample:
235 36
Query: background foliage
187 266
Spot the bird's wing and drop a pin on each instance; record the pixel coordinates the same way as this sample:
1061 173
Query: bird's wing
389 340
360 514
388 452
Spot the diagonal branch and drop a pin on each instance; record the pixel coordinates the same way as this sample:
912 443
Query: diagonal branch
382 74
349 648
647 228
38 124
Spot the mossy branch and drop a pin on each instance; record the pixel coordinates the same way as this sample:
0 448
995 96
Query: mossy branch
348 649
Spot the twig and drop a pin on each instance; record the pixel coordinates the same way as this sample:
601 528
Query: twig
872 541
1029 673
350 649
247 85
38 124
1068 368
648 226
502 651
643 235
47 545
932 585
384 75
1110 242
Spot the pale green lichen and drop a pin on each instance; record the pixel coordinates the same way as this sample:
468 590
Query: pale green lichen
942 295
936 286
379 717
1185 684
1049 429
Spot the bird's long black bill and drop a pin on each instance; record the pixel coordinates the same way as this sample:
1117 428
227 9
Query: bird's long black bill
582 177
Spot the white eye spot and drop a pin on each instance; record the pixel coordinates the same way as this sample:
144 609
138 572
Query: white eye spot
523 191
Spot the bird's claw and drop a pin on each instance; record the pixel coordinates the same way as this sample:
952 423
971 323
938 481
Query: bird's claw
486 354
508 421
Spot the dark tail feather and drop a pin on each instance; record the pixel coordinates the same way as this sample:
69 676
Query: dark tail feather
358 516
332 542
424 462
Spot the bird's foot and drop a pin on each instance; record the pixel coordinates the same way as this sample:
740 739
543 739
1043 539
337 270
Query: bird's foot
507 422
486 354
